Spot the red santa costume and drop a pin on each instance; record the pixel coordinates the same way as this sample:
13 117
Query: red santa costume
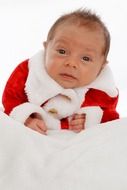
31 90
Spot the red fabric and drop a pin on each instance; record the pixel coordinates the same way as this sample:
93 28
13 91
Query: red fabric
108 104
14 95
64 123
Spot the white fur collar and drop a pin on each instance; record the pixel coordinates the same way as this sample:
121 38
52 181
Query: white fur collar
105 82
40 86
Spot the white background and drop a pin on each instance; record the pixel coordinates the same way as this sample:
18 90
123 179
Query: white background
24 25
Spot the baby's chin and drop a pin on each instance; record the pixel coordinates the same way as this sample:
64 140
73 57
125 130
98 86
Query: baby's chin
68 85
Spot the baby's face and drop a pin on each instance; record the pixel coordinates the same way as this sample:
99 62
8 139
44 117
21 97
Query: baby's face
74 58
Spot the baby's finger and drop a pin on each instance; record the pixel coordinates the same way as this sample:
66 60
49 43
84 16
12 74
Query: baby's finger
41 131
42 125
76 127
77 130
77 122
79 116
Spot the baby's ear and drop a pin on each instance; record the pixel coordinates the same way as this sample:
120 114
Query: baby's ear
104 64
45 44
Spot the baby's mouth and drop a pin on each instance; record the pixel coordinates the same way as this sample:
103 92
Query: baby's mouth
68 76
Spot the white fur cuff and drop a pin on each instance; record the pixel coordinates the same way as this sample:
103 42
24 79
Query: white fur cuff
22 112
93 115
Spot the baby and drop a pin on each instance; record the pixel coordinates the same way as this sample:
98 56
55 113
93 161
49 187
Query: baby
68 85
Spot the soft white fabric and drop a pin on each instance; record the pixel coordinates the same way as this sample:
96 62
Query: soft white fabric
95 159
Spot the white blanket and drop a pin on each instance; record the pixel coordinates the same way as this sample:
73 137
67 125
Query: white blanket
95 159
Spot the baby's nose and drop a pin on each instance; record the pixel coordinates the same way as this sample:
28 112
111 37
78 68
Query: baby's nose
71 62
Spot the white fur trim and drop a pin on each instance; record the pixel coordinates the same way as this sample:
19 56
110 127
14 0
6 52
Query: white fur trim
93 115
63 105
105 82
52 123
22 112
40 86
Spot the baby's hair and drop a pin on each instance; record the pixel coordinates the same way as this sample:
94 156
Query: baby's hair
82 17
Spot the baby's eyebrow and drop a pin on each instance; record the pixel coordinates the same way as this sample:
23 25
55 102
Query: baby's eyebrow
60 43
90 50
62 40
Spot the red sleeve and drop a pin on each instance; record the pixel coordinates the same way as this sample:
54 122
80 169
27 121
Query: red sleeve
107 104
14 93
64 123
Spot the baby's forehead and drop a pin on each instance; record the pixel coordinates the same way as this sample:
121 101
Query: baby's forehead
80 21
82 18
66 29
78 24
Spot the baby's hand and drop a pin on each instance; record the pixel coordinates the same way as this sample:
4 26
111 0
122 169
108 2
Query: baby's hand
36 124
77 122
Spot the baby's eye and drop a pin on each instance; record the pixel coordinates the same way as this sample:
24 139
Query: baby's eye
86 58
61 51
